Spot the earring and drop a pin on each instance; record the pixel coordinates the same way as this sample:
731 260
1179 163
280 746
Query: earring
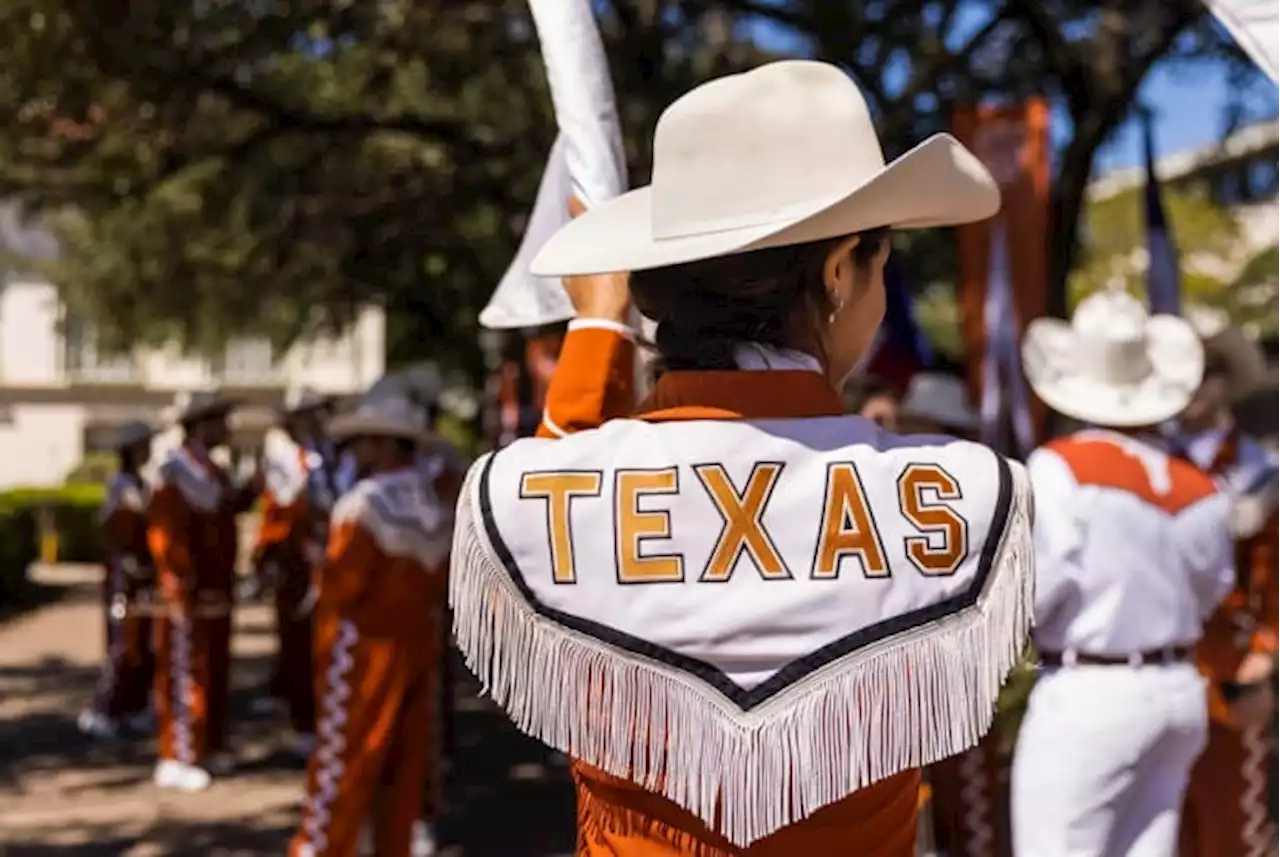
839 305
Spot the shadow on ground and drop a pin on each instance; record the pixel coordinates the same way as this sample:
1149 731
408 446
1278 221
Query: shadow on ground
507 798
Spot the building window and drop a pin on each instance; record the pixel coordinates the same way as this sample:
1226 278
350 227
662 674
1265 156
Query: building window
247 361
85 362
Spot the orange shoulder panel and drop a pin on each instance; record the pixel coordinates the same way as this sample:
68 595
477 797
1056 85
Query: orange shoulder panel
1105 464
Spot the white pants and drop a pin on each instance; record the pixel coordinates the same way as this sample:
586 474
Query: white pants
1103 758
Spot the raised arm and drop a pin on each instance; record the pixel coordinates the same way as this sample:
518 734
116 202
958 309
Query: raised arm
594 379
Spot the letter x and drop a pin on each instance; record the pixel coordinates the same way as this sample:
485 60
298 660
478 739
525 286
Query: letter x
743 529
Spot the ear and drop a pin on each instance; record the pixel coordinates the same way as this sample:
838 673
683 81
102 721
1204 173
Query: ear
837 270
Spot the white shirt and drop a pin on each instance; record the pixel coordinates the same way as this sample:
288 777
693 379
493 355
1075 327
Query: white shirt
1116 573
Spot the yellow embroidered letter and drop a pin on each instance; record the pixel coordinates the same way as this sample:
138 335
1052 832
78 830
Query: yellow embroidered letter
743 529
939 520
634 525
848 530
558 490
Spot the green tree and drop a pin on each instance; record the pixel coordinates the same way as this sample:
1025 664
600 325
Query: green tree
1217 266
230 168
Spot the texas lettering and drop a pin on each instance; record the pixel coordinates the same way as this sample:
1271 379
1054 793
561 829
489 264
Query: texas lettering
845 533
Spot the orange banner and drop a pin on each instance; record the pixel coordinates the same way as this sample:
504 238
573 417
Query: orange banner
1014 144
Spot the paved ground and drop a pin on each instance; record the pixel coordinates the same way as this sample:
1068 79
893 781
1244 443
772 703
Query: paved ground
63 794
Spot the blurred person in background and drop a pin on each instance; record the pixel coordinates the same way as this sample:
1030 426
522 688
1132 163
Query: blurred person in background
1228 810
874 399
1133 554
296 502
123 693
379 612
193 536
937 403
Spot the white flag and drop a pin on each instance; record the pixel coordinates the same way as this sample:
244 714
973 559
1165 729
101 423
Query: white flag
1255 25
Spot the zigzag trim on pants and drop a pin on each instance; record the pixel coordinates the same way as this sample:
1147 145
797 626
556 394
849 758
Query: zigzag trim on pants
1256 833
977 808
330 738
181 690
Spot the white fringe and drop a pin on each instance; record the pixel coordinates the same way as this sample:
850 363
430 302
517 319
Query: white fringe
903 703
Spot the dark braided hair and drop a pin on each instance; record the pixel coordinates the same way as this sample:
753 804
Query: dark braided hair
775 297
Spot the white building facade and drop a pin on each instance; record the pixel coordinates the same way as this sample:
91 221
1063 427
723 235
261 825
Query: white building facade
60 400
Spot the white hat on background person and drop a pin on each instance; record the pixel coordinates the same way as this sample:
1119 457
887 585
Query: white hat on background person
941 399
1229 350
783 154
381 416
1114 364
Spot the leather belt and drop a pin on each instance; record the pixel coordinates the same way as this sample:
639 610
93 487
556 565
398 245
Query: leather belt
1071 658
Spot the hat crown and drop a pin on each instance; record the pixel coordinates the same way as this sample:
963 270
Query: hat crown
1112 328
393 409
759 147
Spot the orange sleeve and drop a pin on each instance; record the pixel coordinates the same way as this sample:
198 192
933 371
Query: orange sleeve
594 381
168 532
1265 557
350 559
276 526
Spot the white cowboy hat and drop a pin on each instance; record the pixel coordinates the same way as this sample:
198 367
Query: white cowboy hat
1226 345
131 434
196 405
1114 365
381 416
783 154
939 398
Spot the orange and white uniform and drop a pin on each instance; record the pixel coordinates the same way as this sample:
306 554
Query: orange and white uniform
1227 807
295 512
378 638
1132 555
712 689
192 535
125 685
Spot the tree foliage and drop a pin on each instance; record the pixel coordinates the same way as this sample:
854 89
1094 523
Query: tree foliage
229 167
1217 264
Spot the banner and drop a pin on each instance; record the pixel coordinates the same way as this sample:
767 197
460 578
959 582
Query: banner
1164 285
1003 266
586 161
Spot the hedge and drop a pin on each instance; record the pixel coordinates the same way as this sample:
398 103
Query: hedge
72 514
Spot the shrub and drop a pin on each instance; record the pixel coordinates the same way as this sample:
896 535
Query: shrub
70 512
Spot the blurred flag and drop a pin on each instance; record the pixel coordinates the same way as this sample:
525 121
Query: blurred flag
900 349
1164 286
1003 388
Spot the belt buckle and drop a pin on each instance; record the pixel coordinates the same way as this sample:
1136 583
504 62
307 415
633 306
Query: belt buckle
1070 658
1136 659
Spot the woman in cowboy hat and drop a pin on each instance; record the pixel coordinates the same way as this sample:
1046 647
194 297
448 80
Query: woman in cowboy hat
747 618
379 606
1227 806
192 533
124 690
1133 553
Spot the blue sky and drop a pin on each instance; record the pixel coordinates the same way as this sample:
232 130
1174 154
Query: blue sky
1188 100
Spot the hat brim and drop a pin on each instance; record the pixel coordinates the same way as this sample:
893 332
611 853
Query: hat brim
1246 368
1052 364
348 426
937 183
